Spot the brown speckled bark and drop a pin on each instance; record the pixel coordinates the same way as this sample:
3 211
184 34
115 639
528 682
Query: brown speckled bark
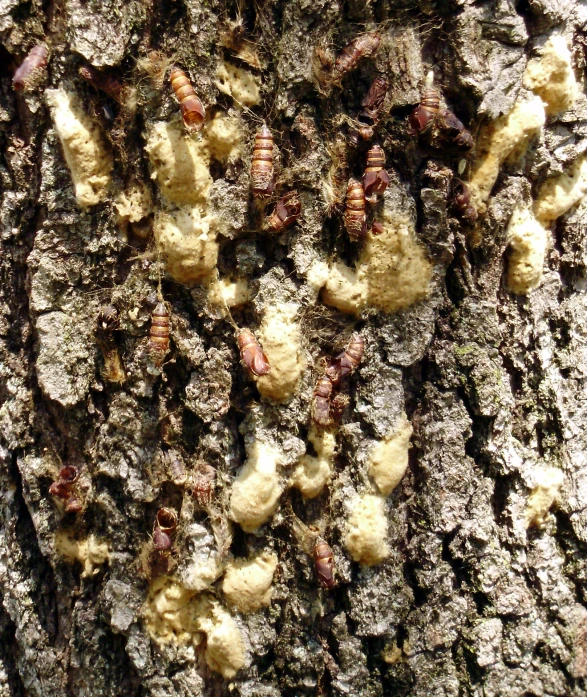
469 602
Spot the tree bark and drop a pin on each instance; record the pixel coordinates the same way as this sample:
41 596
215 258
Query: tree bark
477 595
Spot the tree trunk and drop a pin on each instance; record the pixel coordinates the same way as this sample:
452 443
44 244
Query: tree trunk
468 577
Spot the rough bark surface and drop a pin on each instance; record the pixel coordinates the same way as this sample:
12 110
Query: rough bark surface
470 600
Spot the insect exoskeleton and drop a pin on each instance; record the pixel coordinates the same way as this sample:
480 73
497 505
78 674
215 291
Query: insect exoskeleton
355 219
321 401
423 116
348 361
35 61
108 319
174 465
203 479
362 46
262 164
374 99
377 229
252 354
286 212
164 529
101 81
64 487
158 344
453 130
324 563
375 179
461 201
192 109
338 404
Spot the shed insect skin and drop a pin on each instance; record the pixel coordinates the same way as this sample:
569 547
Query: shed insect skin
362 46
174 466
372 105
321 401
164 529
423 116
35 60
262 171
375 179
324 563
63 488
252 354
286 212
203 481
192 109
461 201
338 404
355 219
453 130
103 82
158 344
348 361
107 325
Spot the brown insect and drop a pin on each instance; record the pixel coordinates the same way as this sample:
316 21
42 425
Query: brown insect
164 529
321 401
362 46
453 130
63 488
324 563
174 465
158 344
461 201
355 219
101 81
423 116
252 354
372 106
35 61
262 164
348 361
338 404
192 109
203 479
286 212
375 179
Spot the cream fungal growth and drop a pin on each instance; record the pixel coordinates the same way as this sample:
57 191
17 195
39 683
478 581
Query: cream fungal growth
186 231
527 246
89 551
257 488
281 339
388 460
366 530
86 156
313 473
392 273
551 76
247 583
225 650
545 494
238 83
559 194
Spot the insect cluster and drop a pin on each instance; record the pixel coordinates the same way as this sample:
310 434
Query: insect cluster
429 120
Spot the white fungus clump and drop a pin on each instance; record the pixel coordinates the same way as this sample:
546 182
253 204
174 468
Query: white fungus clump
257 488
238 83
561 193
527 245
89 551
186 235
366 533
134 204
544 495
224 292
83 147
187 238
247 582
388 460
551 76
169 613
508 136
313 473
281 339
225 650
392 272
